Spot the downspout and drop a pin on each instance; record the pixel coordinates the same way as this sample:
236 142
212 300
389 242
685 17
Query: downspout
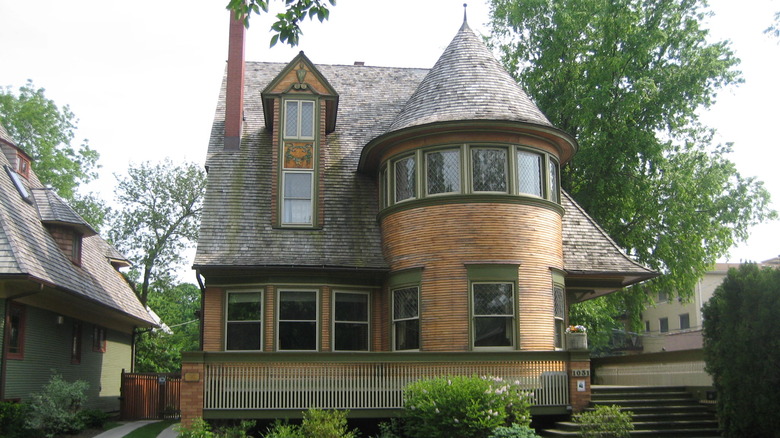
202 300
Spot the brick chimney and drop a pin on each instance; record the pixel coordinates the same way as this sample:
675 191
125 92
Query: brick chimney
234 96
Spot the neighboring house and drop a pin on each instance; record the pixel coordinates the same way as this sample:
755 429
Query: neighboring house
364 227
66 307
670 350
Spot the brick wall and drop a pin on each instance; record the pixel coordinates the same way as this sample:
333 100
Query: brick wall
191 392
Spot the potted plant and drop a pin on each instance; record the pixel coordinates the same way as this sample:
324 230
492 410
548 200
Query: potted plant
576 337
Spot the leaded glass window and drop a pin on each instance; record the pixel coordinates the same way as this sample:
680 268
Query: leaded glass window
443 171
493 311
529 173
299 119
559 303
489 170
244 323
406 319
350 316
555 188
405 179
297 320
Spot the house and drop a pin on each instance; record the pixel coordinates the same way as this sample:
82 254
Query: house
364 227
66 307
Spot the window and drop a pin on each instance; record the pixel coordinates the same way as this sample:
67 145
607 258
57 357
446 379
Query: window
297 320
244 325
443 171
98 339
488 170
75 345
685 321
22 165
559 302
350 321
493 312
405 179
75 249
664 323
647 326
297 198
662 297
555 188
299 119
529 173
16 324
406 319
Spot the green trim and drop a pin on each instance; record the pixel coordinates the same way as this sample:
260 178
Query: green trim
558 277
318 323
407 277
482 198
353 278
493 272
207 357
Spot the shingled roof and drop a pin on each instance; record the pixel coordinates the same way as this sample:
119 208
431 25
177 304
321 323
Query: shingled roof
28 250
237 224
467 83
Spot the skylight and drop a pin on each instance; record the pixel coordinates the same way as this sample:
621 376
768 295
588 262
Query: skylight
19 186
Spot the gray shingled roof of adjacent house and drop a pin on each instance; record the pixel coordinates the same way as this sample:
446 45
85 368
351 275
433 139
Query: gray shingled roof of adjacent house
467 83
27 249
237 225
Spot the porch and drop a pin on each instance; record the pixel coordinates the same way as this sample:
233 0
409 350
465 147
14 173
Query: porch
274 385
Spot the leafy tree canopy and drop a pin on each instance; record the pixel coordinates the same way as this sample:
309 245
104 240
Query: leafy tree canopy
45 132
628 78
159 218
287 26
742 350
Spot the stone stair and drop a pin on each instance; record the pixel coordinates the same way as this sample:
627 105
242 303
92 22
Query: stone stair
657 412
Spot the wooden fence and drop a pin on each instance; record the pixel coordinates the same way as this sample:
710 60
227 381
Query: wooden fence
150 396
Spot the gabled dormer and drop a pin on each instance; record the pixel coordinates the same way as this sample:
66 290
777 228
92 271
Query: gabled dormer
299 108
66 227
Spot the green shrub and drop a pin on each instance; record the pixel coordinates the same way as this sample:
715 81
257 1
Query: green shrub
283 429
13 420
514 431
236 431
605 422
462 407
198 429
92 418
389 429
326 424
54 411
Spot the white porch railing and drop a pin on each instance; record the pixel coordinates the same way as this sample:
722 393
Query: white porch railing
359 383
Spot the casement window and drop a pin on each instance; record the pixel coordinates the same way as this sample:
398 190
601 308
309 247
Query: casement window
298 163
299 117
98 339
493 314
405 171
559 303
75 249
555 185
406 318
22 165
442 172
488 170
75 345
297 320
664 324
529 173
685 321
244 320
350 321
647 326
16 324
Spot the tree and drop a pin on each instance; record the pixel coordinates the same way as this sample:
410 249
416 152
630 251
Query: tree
742 350
45 132
159 351
287 27
627 78
159 218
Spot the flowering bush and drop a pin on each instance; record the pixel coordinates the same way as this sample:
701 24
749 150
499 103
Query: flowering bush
576 329
463 407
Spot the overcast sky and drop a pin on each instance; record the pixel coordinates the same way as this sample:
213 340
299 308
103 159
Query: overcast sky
143 76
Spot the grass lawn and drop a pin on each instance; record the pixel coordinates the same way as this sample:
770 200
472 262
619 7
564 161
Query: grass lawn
150 430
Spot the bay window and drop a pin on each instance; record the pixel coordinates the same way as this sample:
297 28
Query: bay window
529 173
350 321
488 170
297 320
244 325
443 171
405 178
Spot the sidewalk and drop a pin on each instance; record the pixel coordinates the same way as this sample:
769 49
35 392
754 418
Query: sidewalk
121 431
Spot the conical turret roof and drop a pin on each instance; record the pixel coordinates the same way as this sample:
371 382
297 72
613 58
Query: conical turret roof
467 83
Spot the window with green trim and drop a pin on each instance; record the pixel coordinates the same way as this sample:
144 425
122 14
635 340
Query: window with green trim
299 117
299 151
442 171
406 318
350 321
559 303
488 170
297 320
555 185
14 346
244 320
493 314
405 178
529 173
